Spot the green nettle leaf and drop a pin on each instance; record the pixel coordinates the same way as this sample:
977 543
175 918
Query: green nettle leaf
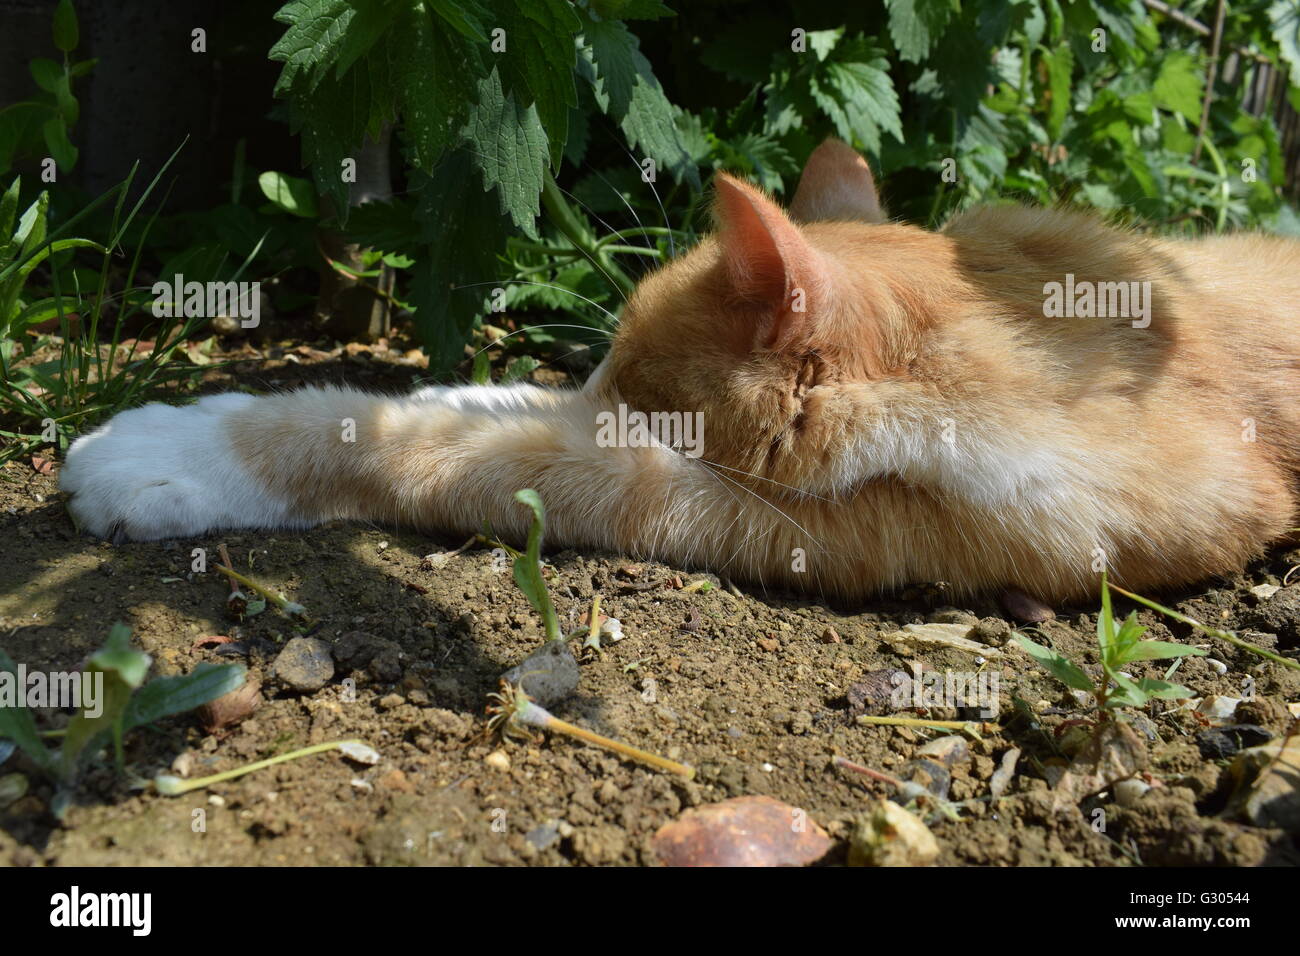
67 34
463 233
626 89
915 25
1058 665
313 42
508 145
1121 18
867 95
369 22
465 17
1178 85
630 9
333 120
848 81
1284 15
767 160
822 42
537 63
964 67
528 566
435 74
290 193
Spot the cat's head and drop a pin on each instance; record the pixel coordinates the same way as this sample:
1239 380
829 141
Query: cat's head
790 332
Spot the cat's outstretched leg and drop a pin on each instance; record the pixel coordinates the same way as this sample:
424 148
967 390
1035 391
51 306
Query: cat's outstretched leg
446 458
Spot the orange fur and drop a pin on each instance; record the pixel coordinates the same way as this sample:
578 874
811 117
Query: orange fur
920 419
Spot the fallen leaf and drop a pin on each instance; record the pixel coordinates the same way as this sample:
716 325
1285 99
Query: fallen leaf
210 640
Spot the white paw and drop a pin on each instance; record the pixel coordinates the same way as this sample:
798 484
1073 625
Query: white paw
162 472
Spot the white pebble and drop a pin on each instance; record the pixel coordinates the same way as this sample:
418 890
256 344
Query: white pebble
361 753
1130 791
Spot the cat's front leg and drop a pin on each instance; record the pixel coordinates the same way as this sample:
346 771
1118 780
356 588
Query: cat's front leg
162 471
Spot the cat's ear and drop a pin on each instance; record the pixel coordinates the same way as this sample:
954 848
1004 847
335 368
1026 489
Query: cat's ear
768 262
836 184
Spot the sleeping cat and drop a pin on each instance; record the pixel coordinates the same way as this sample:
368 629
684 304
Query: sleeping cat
880 405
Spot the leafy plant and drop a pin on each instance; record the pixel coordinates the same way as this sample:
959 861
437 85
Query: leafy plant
128 702
25 241
554 113
1119 644
47 119
484 93
95 373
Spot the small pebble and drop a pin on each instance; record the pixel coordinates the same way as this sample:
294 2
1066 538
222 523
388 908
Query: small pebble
13 787
306 664
548 675
361 753
891 836
544 835
950 751
1130 791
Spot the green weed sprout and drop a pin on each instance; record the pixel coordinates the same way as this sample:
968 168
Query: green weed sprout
528 567
1120 645
127 702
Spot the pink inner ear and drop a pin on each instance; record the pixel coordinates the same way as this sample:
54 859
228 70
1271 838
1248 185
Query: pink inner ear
767 259
836 185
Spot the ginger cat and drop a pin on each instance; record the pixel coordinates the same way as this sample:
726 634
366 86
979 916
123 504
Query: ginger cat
881 405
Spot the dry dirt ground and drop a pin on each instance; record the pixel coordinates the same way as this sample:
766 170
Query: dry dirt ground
757 691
